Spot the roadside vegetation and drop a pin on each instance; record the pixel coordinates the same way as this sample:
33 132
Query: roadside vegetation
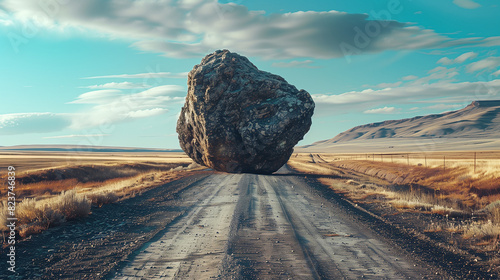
50 197
458 203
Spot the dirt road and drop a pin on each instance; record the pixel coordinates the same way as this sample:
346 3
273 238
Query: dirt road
244 226
213 225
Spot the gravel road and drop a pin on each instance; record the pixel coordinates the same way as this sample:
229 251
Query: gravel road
245 226
213 225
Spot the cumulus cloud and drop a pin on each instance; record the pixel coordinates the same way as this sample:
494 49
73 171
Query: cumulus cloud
466 4
152 75
194 27
484 64
294 64
385 110
22 123
496 73
460 59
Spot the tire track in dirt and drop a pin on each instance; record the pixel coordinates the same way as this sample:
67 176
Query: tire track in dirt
286 231
193 246
341 248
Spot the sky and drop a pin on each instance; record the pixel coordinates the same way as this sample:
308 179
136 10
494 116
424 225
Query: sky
114 73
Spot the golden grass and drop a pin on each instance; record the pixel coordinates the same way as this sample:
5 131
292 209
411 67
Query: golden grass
471 191
454 191
37 215
103 197
487 162
48 197
34 161
48 182
433 228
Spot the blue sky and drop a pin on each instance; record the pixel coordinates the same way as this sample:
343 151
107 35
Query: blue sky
114 73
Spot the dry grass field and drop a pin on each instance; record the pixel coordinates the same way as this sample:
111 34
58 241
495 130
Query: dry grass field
54 187
445 184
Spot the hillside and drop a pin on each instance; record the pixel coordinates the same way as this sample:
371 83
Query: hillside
478 121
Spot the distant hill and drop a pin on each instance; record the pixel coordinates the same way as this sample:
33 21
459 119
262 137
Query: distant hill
83 148
479 120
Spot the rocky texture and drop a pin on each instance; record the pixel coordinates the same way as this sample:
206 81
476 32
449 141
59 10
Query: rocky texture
239 119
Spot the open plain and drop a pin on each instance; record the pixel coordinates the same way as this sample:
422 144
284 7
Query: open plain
204 224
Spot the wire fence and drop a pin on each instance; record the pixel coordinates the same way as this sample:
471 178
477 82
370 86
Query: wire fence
476 161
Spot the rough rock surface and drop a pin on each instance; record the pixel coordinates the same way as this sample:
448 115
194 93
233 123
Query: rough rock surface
239 119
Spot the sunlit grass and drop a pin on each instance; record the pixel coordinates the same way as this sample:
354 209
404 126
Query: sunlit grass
52 202
456 191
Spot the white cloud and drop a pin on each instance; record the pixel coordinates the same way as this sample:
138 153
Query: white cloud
496 73
409 78
490 42
97 97
445 61
5 19
385 110
22 123
444 106
356 101
113 107
122 85
294 64
146 113
485 64
463 57
76 136
152 75
195 27
389 85
460 59
466 4
104 107
6 22
440 74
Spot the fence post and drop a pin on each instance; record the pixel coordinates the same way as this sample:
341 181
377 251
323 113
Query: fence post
444 163
425 158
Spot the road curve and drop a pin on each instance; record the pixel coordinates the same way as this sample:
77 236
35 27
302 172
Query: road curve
245 226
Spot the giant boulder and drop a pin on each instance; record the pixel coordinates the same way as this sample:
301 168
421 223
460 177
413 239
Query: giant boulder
239 119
